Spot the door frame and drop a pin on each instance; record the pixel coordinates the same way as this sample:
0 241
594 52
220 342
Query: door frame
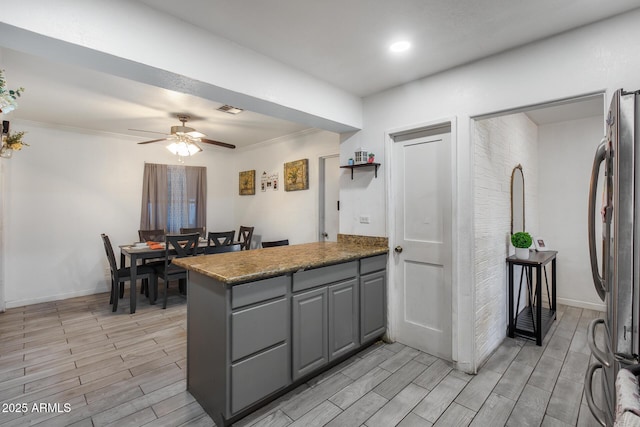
460 303
321 192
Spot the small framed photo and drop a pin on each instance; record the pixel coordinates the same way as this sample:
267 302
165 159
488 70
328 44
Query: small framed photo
541 244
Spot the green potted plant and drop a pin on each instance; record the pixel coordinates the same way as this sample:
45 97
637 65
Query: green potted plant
521 241
372 158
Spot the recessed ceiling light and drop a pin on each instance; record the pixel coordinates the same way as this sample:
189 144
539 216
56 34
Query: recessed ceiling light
400 46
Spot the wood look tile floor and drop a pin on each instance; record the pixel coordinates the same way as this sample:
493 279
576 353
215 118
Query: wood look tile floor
129 370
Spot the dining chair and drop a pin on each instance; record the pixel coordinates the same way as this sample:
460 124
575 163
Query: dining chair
220 238
234 247
123 274
244 235
271 244
184 245
151 235
194 230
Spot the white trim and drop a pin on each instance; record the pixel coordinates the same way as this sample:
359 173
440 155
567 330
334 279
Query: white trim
390 231
581 304
48 298
321 192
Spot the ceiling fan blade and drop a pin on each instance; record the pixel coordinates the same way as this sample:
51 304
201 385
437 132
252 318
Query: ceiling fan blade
148 131
153 140
221 144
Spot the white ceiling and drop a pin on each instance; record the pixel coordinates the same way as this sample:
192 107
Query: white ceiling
341 42
345 42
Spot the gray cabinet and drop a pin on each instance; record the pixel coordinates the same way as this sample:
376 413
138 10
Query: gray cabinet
373 298
343 318
325 316
310 331
251 341
238 342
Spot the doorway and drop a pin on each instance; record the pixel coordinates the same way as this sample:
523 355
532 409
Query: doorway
329 204
422 187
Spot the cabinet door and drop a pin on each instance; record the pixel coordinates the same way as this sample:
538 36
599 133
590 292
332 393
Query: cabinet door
373 305
310 335
343 318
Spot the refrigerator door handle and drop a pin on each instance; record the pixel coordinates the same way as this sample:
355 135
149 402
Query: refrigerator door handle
598 413
602 357
598 281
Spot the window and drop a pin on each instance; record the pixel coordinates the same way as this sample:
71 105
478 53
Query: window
173 196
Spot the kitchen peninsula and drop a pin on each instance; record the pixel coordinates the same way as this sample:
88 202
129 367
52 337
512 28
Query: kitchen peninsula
261 322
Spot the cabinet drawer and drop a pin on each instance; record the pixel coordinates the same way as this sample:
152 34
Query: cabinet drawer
321 276
258 327
374 263
262 290
257 377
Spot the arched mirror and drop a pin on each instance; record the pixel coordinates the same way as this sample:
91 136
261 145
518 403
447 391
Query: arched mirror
517 200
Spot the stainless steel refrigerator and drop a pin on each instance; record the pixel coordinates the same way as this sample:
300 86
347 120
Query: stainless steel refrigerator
614 339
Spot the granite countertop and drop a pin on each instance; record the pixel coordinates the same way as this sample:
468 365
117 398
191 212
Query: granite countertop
246 266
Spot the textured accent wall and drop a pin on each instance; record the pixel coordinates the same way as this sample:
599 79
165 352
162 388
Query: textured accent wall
500 144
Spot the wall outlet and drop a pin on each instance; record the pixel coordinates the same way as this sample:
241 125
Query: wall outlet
365 219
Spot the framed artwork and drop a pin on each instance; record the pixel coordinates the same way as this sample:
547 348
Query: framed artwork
541 244
247 183
296 175
269 182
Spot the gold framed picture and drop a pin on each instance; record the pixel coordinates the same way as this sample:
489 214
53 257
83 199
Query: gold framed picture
296 175
247 183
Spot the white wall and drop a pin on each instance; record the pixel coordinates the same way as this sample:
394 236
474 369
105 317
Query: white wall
67 188
2 235
575 63
501 143
566 156
283 214
132 40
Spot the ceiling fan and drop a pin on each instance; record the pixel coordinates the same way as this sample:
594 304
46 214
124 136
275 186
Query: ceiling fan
185 133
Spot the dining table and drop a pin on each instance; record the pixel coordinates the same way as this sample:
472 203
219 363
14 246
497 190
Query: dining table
141 253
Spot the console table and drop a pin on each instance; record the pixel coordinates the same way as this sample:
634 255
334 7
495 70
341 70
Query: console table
534 320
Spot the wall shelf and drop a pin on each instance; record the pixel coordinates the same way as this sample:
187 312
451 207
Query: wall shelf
362 165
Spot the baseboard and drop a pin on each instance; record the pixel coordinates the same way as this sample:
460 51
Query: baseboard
581 304
49 298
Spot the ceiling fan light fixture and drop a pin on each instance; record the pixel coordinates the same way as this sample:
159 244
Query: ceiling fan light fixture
183 147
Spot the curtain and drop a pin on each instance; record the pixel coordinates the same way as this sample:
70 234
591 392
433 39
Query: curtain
154 197
173 197
178 205
197 191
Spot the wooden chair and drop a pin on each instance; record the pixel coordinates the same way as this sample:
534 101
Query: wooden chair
123 274
200 230
275 243
244 235
235 247
185 245
151 235
220 238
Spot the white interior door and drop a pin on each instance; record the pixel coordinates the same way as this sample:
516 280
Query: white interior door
329 215
422 186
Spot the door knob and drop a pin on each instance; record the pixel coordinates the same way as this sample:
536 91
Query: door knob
325 234
398 249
